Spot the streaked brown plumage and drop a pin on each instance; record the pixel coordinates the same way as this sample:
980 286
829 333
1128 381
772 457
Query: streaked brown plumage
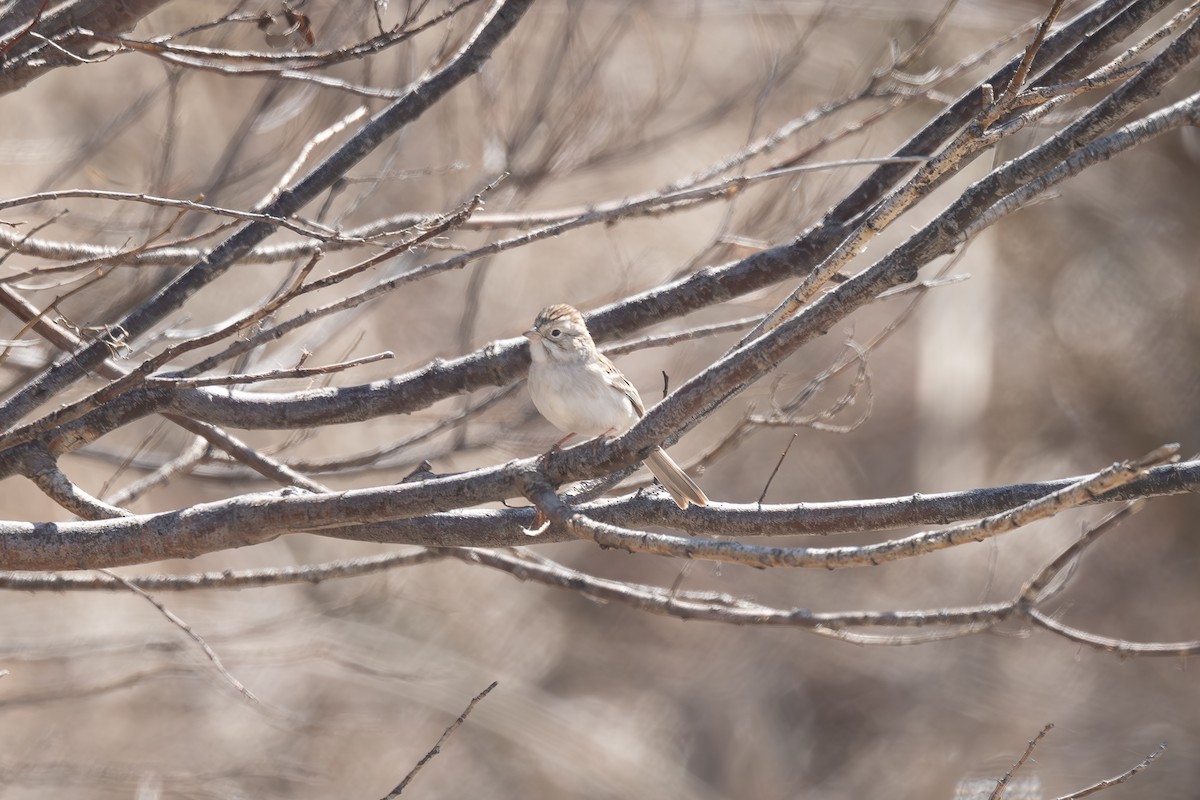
580 391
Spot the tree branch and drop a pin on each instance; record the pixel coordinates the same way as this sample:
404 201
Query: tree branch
499 22
255 518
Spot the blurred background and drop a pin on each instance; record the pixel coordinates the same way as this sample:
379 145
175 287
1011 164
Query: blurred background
1073 343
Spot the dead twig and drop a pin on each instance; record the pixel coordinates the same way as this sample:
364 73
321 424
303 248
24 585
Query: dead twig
437 748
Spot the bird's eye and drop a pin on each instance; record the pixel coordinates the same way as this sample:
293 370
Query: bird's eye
556 333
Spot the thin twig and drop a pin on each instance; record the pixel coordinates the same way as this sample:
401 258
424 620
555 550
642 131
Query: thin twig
304 227
1039 38
175 620
778 464
269 375
437 748
181 464
998 792
1124 776
317 140
1033 590
225 579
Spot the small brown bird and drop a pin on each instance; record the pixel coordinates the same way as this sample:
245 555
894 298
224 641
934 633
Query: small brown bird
580 391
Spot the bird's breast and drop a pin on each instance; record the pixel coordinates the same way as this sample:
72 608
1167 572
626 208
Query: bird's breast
580 400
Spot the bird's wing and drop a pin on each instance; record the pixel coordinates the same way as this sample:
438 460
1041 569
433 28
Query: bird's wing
618 381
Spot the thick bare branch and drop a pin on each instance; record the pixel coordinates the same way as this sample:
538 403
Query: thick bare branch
254 518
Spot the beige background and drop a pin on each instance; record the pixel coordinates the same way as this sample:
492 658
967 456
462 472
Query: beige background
1073 344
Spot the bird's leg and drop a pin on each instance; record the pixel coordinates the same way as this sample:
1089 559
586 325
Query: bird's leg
558 445
554 448
540 522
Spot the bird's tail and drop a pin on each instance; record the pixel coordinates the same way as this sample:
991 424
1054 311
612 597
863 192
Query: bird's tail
683 490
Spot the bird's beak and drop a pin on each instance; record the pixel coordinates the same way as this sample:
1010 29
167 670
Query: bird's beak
532 335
